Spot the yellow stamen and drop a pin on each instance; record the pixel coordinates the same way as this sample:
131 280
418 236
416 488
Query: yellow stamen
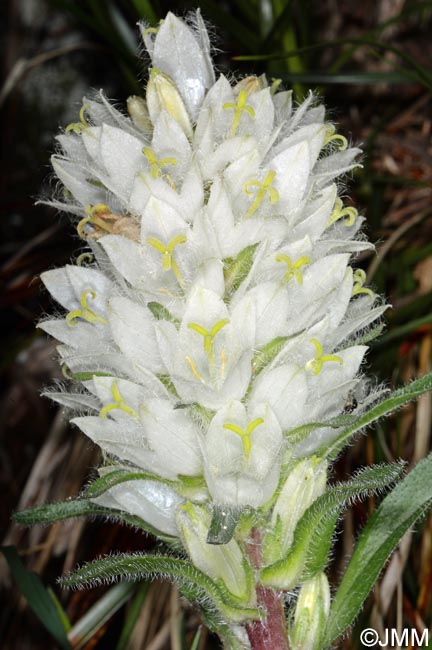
332 136
359 278
168 261
193 368
339 212
320 359
244 434
238 109
263 188
78 127
208 336
95 216
84 257
118 404
85 313
155 164
293 270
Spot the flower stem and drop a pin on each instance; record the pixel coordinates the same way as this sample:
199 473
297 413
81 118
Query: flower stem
269 633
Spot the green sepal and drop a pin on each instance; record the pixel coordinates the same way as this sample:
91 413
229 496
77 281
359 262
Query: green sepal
314 532
199 413
139 566
294 436
51 512
237 269
267 353
104 483
223 524
162 313
88 376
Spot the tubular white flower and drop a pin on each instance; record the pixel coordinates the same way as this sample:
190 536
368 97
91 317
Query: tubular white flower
220 311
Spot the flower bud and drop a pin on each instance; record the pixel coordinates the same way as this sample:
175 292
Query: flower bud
162 95
312 610
251 84
304 484
137 109
224 562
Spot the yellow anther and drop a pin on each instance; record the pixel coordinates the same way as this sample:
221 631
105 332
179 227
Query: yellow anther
238 110
78 127
293 270
193 368
244 434
85 313
168 261
359 278
84 257
320 359
155 164
339 212
118 404
263 188
208 336
332 136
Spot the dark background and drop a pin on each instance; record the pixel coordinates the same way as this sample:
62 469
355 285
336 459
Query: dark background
371 62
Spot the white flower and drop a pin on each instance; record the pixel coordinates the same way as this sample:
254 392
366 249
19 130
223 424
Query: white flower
220 311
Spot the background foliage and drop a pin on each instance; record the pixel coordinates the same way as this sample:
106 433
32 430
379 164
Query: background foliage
371 63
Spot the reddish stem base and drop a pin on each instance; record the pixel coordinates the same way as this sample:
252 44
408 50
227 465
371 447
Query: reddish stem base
269 633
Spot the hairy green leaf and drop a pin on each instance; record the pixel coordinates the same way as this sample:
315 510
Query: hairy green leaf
397 399
139 566
50 512
314 532
396 514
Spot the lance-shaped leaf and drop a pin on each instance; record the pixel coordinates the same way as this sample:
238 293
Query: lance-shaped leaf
314 532
396 514
138 566
397 399
43 603
51 512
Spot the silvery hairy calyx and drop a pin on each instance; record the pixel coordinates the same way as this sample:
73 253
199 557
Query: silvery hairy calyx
212 333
